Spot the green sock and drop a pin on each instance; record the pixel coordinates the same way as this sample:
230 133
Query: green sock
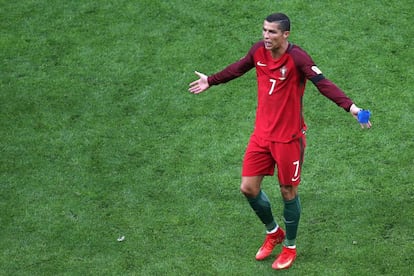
261 205
291 215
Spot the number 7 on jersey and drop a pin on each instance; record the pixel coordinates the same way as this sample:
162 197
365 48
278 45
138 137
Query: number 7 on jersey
272 88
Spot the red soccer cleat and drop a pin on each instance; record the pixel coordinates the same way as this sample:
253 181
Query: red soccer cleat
270 242
285 258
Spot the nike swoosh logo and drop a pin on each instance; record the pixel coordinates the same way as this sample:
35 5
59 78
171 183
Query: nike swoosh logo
295 178
288 221
260 64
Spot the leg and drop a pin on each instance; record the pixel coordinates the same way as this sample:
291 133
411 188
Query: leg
258 200
260 203
251 185
257 163
291 213
288 192
289 161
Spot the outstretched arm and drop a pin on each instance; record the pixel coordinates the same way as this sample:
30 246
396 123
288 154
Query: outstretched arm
325 86
200 85
229 73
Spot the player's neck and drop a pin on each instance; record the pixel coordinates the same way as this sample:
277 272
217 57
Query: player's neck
277 53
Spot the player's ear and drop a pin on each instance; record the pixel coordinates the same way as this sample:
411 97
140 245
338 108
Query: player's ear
286 34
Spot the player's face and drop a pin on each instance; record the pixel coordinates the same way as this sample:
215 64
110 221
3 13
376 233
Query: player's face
273 37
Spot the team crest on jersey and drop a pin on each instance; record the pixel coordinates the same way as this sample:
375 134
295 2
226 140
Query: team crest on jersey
283 73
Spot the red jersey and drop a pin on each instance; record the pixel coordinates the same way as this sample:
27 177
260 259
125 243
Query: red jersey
280 89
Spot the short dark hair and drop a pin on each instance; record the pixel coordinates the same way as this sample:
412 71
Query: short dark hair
280 18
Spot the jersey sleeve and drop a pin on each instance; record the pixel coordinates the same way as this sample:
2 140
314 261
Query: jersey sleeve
326 87
235 69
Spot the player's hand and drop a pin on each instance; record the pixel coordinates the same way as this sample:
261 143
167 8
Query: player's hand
354 112
199 85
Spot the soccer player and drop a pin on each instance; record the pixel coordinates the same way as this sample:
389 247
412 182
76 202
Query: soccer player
278 138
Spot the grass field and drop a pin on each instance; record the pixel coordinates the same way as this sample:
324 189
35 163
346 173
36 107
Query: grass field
100 139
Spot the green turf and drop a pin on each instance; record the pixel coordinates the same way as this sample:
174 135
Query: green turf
100 139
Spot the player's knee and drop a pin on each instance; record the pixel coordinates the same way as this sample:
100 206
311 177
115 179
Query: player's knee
249 190
288 192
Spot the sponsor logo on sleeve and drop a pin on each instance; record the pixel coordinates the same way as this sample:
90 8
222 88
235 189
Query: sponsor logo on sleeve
316 70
